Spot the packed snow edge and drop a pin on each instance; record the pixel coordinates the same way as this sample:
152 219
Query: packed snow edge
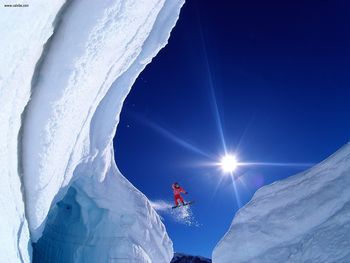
296 219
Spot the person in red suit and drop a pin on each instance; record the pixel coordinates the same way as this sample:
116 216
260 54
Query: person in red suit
177 189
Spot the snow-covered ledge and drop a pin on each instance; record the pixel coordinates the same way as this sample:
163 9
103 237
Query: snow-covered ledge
305 218
65 70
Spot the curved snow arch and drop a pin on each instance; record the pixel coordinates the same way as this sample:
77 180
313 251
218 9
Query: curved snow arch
72 117
84 227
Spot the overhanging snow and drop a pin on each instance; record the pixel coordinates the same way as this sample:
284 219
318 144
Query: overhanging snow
72 110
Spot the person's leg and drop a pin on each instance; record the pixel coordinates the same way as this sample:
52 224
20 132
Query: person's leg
176 198
181 199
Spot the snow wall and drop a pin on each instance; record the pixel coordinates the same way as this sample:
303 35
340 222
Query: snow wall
305 218
65 70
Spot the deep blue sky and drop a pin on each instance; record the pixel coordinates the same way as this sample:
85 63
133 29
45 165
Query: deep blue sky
280 71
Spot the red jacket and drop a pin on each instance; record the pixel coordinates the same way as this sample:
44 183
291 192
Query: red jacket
178 190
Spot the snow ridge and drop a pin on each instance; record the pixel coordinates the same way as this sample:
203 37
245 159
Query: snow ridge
55 24
21 47
304 218
67 69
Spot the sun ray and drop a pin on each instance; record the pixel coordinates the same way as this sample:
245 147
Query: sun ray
276 164
217 186
246 129
211 88
173 137
235 190
240 178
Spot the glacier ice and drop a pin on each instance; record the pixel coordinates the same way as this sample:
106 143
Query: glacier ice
85 227
305 218
65 70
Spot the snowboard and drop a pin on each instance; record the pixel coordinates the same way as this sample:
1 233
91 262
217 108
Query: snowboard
186 204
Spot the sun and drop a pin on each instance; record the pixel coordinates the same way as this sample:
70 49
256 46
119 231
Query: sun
229 163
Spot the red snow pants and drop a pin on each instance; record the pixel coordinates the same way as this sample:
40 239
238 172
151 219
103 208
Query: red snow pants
177 198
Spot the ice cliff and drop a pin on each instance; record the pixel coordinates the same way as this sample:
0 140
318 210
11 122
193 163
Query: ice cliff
305 218
65 70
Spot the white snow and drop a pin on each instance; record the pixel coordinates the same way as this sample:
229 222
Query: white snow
96 223
24 31
65 70
182 215
305 218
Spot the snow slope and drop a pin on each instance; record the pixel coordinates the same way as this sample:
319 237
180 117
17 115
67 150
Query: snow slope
305 218
24 32
65 70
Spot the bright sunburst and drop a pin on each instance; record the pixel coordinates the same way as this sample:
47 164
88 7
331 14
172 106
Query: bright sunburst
229 163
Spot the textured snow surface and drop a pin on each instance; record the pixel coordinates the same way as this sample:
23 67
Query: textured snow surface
24 31
65 70
305 218
84 227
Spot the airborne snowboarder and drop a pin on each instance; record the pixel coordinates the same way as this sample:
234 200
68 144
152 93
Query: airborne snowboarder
177 189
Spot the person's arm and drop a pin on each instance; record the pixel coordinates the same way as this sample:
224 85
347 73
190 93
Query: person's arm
183 190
